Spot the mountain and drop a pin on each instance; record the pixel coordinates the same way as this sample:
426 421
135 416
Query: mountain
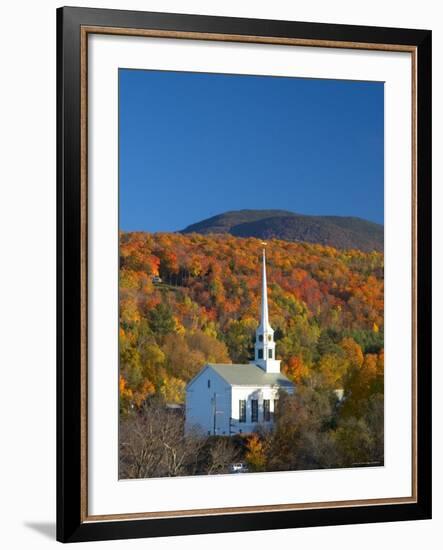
337 231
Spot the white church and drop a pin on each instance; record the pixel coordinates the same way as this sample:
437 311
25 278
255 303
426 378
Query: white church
228 399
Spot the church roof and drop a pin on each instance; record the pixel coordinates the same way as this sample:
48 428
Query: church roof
249 375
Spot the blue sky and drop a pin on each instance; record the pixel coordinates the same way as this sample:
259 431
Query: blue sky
193 145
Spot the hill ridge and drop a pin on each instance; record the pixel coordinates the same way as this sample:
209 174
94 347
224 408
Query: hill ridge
344 232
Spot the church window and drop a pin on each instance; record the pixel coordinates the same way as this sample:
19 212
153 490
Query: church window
266 410
209 383
270 353
254 410
242 410
260 354
260 338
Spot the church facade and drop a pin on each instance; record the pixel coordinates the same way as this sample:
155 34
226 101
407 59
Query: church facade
227 399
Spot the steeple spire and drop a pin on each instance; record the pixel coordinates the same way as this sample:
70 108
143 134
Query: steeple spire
264 355
264 294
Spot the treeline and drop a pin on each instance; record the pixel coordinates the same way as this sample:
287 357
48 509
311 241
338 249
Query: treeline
153 444
313 429
190 299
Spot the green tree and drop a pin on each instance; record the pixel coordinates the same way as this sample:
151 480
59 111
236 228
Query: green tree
326 344
130 365
239 338
161 320
355 443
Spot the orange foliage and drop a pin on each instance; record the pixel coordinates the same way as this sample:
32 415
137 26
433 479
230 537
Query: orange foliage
295 369
255 454
326 305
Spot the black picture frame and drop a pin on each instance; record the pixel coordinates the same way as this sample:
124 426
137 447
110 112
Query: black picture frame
71 525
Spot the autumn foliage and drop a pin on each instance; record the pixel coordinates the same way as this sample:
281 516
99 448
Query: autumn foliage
190 299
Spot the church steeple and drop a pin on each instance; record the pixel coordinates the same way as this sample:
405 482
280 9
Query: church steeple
264 355
264 319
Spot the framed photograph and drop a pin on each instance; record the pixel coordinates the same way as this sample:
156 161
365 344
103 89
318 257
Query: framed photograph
244 274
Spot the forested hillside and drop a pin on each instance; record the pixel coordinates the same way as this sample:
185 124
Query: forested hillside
188 299
342 232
